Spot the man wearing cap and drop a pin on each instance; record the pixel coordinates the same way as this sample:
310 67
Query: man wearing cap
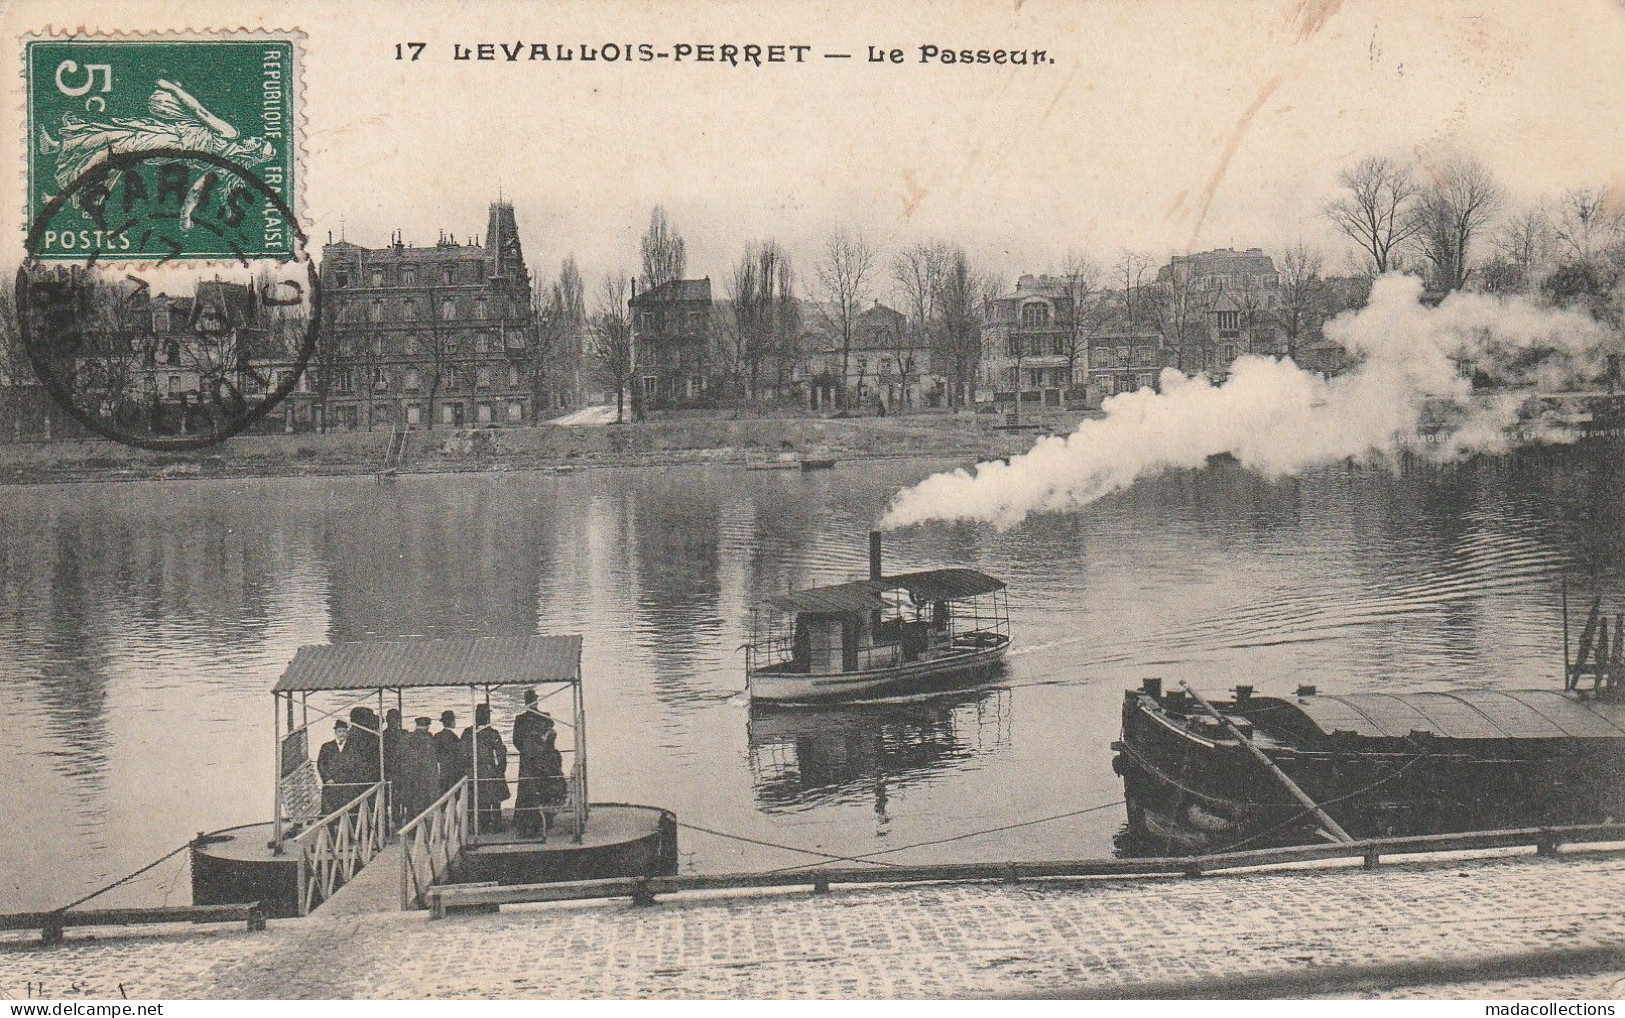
340 766
448 751
419 770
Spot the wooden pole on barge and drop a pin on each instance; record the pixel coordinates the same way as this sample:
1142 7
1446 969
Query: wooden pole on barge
1299 794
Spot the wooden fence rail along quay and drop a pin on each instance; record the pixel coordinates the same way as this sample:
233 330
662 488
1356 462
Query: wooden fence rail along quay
450 898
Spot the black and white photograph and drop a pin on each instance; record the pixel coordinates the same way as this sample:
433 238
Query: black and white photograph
670 500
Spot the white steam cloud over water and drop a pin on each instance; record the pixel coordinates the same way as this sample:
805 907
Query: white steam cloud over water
1278 419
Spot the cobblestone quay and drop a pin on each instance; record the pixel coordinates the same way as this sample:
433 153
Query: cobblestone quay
1516 926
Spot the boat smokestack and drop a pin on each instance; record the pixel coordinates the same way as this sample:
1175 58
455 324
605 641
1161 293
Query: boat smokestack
874 554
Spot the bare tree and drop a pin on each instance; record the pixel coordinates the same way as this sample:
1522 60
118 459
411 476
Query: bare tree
1180 308
558 326
844 277
442 345
1588 222
1375 210
664 255
1303 295
1082 278
1457 207
1128 279
962 296
917 274
612 347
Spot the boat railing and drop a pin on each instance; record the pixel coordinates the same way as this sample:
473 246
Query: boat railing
336 847
431 844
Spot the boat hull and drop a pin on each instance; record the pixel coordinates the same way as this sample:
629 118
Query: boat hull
918 678
1190 787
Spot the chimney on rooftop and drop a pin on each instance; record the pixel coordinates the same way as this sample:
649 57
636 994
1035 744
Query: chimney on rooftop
874 554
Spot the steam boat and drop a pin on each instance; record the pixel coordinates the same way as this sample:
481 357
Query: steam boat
1253 771
911 634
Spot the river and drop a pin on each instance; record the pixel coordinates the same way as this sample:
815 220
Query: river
143 625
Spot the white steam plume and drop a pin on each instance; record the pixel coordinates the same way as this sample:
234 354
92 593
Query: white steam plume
1278 419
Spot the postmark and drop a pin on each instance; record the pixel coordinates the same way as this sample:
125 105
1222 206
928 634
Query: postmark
175 353
231 96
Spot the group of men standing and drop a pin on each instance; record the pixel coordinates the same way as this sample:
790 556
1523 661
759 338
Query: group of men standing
420 765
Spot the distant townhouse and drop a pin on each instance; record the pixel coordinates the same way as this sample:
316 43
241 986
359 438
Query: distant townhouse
887 366
674 336
426 336
1032 342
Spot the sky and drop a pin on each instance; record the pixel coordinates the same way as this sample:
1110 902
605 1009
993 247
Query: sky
1160 126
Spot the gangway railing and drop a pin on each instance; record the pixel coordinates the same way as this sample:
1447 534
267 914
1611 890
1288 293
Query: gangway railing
432 843
333 850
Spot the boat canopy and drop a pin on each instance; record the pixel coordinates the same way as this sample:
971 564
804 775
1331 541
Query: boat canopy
865 595
406 664
1469 714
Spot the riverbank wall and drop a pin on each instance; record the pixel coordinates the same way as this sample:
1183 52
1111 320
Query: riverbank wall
544 447
1507 924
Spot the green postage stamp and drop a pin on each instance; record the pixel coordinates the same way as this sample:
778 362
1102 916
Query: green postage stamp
163 148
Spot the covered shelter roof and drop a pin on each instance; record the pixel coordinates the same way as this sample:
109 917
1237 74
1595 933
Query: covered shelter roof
864 595
457 661
1468 714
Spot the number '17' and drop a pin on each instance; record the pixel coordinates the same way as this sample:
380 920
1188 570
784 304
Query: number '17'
417 49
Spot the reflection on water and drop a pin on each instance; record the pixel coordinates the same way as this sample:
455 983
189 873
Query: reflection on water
142 625
801 757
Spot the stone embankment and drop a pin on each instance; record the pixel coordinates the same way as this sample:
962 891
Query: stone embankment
694 440
1504 926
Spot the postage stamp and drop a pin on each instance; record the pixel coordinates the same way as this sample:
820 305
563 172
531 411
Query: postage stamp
223 108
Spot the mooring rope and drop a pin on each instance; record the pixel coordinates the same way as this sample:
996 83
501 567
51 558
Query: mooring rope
156 862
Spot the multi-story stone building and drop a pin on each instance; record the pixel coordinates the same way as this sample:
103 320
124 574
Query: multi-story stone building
1032 342
426 337
673 334
887 366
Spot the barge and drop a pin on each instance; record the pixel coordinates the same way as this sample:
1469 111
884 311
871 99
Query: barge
1255 771
910 634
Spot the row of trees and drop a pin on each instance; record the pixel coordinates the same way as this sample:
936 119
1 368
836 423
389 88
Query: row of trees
1455 223
762 321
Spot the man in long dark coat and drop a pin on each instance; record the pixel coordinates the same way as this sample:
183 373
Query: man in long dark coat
487 758
341 766
392 760
448 751
364 733
419 771
529 731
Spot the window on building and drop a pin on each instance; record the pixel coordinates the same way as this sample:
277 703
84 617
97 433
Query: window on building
414 381
480 308
482 413
172 385
1035 377
160 319
449 379
1229 319
409 344
409 310
448 413
343 381
378 310
377 277
445 275
516 412
341 278
1108 384
1034 313
1057 346
409 275
482 378
414 415
380 380
513 376
448 309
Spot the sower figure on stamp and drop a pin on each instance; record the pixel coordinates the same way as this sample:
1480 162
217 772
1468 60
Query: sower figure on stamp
487 759
448 751
419 771
530 729
342 768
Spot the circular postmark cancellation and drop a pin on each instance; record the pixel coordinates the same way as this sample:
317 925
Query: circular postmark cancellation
168 352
